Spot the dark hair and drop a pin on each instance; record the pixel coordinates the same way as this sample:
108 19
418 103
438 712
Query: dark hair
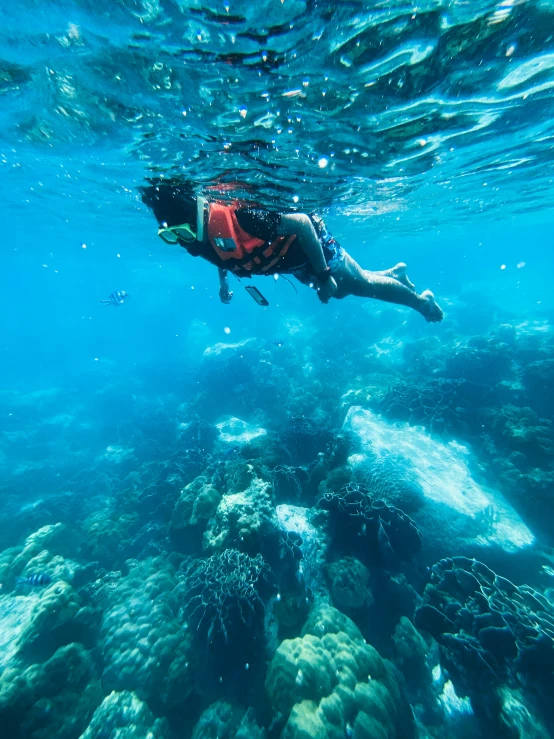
173 204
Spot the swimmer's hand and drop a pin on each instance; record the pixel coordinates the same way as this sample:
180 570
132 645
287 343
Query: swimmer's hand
326 289
225 295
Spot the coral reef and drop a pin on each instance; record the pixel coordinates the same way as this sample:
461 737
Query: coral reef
224 595
201 528
223 720
125 716
537 379
145 646
480 358
487 626
330 683
305 439
50 698
520 430
416 657
48 682
442 405
243 520
370 528
390 479
196 504
349 583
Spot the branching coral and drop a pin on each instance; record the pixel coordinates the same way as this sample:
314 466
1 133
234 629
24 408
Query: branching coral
480 360
439 404
521 430
287 481
370 527
224 594
304 439
489 627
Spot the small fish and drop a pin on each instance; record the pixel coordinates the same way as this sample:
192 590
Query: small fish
277 342
117 298
39 580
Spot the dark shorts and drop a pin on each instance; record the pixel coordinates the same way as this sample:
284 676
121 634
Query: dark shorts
333 252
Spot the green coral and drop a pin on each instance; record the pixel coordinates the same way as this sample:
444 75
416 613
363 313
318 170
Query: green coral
521 430
124 716
49 699
44 551
56 617
196 504
410 646
223 720
106 534
350 583
414 656
145 645
517 717
331 684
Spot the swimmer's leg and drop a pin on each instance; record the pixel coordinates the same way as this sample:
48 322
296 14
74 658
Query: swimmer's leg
353 280
398 273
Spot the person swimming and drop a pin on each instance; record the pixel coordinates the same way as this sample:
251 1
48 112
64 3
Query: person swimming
248 240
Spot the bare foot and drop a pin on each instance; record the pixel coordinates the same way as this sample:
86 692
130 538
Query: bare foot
400 274
430 309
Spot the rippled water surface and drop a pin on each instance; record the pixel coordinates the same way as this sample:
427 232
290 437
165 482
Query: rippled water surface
438 110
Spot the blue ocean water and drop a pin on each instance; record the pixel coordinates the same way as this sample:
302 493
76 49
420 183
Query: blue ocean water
303 520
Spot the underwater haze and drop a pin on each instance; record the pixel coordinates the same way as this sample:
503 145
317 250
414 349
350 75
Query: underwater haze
305 520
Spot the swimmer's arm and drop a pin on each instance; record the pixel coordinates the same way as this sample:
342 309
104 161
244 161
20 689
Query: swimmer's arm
306 236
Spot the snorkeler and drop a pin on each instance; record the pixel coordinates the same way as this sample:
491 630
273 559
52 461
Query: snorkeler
248 240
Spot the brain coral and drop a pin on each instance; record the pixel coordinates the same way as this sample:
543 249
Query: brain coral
330 684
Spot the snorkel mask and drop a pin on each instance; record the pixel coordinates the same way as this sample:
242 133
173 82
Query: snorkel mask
174 234
185 232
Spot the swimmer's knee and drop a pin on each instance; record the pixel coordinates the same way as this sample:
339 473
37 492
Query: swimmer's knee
341 293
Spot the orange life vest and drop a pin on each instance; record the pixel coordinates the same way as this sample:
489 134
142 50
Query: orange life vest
243 251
